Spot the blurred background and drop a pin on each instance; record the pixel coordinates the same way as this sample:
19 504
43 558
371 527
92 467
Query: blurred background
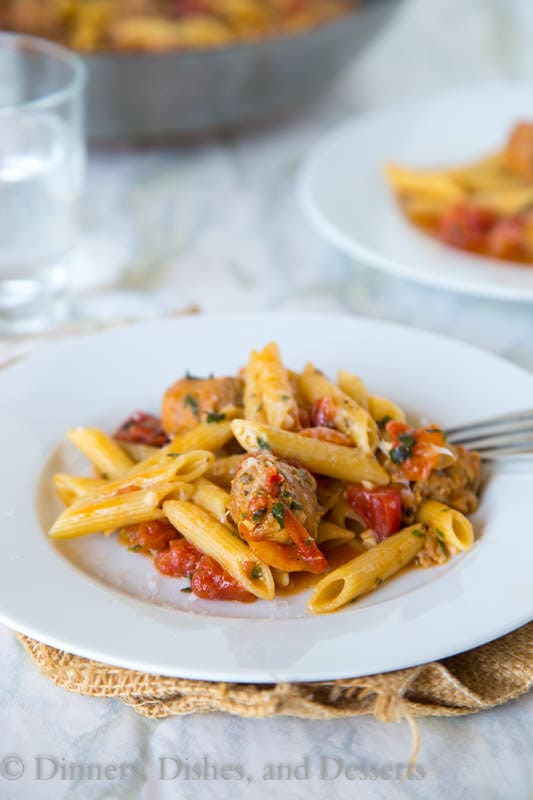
199 114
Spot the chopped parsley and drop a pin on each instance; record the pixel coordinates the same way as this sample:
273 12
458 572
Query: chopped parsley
436 430
285 397
278 512
192 402
135 548
256 572
382 423
443 547
214 416
404 450
173 455
105 476
191 377
296 506
378 582
258 515
439 533
262 443
186 589
418 533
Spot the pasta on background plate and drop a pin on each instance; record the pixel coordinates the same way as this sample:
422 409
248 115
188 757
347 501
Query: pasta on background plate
483 208
244 483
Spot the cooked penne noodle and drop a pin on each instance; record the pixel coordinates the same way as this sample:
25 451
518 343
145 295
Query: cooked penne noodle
281 578
205 436
69 487
139 452
253 401
216 540
211 497
222 470
438 185
350 418
381 409
187 466
278 401
452 527
323 458
329 532
339 512
108 457
95 515
354 387
367 571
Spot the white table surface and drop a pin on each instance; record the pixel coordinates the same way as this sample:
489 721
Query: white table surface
219 225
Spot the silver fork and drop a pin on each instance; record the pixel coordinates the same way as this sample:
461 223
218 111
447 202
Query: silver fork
502 437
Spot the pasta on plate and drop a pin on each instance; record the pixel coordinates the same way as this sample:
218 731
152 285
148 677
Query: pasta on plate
247 483
483 208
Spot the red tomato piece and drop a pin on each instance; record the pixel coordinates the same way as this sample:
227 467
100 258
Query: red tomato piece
467 227
415 452
154 535
379 508
506 239
142 428
323 413
179 560
212 582
307 549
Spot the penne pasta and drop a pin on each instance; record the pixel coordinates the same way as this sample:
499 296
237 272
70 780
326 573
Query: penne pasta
95 515
222 470
69 487
216 540
104 453
278 401
383 409
367 571
187 466
212 498
429 184
335 461
350 418
253 401
354 387
329 532
452 527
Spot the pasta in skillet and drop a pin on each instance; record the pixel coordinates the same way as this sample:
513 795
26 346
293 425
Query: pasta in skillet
246 480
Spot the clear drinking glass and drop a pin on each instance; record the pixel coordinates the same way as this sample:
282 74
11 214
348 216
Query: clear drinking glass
42 168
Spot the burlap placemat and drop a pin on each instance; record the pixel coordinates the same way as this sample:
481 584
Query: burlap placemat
463 684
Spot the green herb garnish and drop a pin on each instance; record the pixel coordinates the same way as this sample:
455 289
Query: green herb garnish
440 533
418 533
105 476
135 548
285 397
214 416
258 515
256 572
278 512
173 455
296 506
378 582
382 423
262 443
443 547
186 589
192 402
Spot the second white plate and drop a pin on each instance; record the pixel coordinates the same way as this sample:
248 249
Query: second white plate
348 200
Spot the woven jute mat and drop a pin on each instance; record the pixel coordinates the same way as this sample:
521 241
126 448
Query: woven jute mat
463 684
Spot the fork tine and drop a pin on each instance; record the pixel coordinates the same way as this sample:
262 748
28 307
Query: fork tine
505 453
496 438
519 420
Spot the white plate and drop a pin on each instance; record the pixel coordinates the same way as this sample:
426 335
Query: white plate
95 598
348 200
